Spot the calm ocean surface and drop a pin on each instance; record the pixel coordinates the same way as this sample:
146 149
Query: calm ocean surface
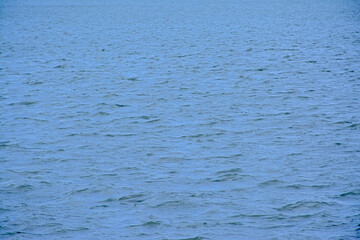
169 119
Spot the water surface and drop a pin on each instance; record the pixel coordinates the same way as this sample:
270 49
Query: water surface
179 119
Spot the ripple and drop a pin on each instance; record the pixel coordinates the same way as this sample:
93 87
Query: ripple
148 224
304 205
133 198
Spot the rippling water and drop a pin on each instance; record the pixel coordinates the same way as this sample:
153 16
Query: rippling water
173 119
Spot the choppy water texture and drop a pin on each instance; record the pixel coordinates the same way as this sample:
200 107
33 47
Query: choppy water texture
173 119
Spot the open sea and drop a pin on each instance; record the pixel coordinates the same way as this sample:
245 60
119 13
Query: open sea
180 119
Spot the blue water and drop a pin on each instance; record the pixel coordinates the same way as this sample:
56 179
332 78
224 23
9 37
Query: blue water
172 119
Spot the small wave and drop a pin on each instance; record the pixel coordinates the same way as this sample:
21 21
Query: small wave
148 224
80 191
103 113
194 238
301 186
109 174
173 204
303 205
121 105
201 135
5 144
100 206
60 66
354 126
191 238
270 183
134 198
24 187
257 69
4 210
343 122
235 223
25 103
350 193
133 79
31 83
293 217
227 175
12 233
233 170
78 229
242 215
279 226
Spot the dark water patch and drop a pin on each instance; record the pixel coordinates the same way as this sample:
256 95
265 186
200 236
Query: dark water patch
4 209
194 238
32 119
248 216
228 157
343 122
303 97
83 135
45 182
72 230
257 70
109 175
271 183
153 120
173 204
80 191
296 186
230 171
100 206
121 105
60 66
148 224
184 56
304 205
353 193
34 83
295 154
279 226
4 144
134 198
354 126
236 223
194 136
25 103
295 216
110 135
120 135
227 177
101 113
133 79
33 172
191 238
24 187
14 233
145 117
320 186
